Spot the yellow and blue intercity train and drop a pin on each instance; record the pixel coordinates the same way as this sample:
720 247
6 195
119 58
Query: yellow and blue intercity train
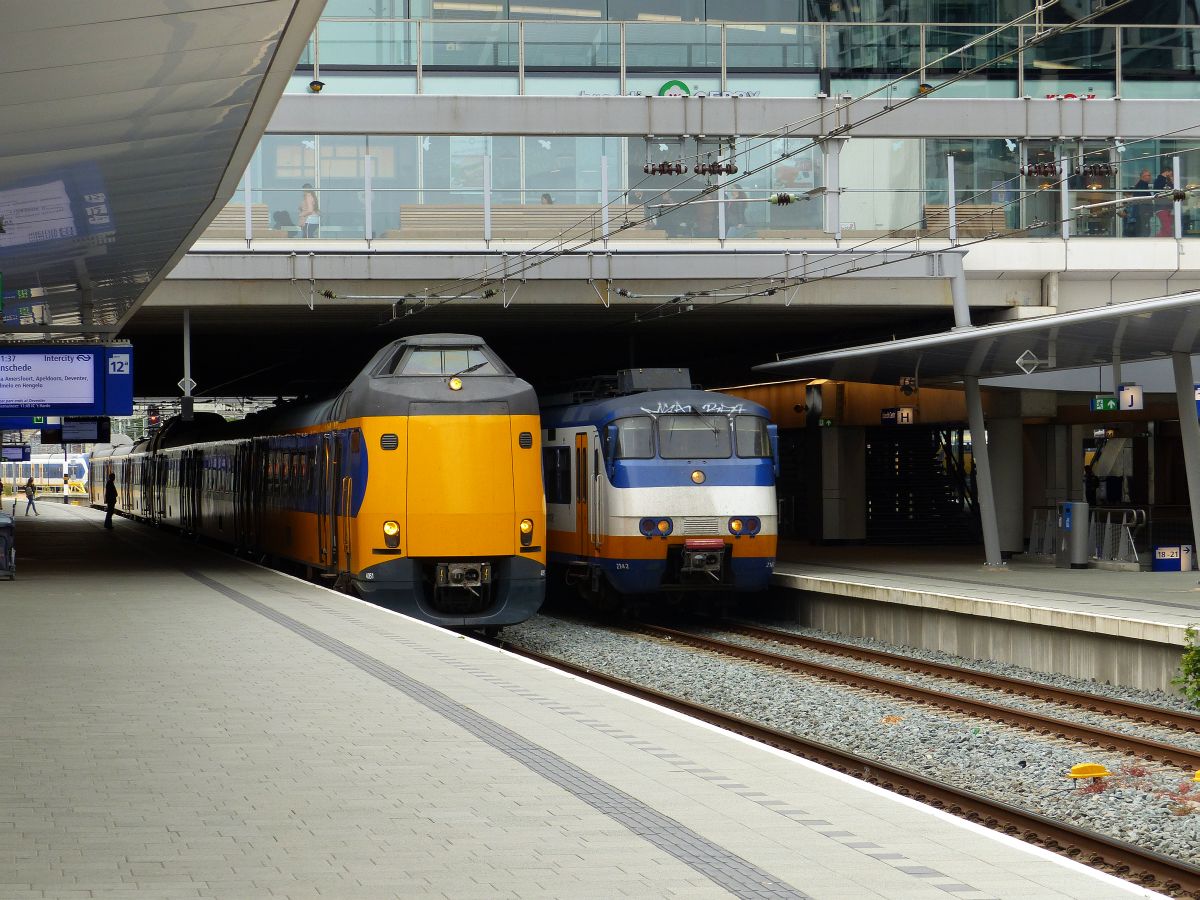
418 487
653 486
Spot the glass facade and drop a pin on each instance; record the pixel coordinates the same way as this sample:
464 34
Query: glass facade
562 56
437 188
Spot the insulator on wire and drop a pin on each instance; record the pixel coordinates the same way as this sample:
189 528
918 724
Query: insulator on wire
780 199
646 168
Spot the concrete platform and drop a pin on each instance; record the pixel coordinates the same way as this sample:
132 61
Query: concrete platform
1121 627
177 723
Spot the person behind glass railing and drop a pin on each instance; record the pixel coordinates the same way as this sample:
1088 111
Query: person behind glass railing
1137 215
310 212
1163 206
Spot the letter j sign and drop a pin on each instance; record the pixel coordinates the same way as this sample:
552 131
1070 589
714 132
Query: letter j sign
1130 396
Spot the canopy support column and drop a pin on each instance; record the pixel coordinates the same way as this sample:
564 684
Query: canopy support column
1189 430
983 473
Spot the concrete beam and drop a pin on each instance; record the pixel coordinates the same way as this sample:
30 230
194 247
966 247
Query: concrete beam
670 116
643 263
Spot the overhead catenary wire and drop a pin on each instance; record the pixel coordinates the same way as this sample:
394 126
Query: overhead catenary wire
784 130
488 274
772 284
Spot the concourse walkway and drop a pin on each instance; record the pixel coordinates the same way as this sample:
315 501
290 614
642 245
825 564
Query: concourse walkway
175 722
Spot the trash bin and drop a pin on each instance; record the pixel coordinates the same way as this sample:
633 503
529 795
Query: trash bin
1172 558
8 551
1072 538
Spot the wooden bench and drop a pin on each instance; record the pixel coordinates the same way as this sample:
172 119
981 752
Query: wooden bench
453 222
230 223
974 220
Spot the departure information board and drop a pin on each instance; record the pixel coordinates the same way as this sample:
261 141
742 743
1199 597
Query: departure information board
66 380
47 379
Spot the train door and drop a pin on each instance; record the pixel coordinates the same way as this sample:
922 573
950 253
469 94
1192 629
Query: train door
582 506
327 483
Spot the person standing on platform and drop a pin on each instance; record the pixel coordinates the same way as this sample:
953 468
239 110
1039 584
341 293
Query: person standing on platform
30 494
110 499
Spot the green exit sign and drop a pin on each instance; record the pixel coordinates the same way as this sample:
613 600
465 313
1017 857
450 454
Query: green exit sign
1102 403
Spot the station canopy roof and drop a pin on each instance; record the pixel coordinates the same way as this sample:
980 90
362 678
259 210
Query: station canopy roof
125 127
1134 330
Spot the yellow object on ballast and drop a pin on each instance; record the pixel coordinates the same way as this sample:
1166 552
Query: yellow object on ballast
1196 777
1089 770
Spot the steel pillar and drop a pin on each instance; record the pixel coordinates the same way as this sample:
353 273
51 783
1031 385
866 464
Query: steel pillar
1189 430
983 473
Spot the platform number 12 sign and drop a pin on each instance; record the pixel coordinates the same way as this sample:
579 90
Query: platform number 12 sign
118 364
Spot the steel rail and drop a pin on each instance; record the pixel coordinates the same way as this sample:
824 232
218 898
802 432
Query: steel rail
1140 712
1132 863
1096 736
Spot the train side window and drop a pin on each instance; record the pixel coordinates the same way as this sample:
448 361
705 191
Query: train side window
635 438
556 471
753 439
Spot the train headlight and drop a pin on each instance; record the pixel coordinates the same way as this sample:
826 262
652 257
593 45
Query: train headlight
697 477
736 526
526 532
664 527
753 525
455 383
391 534
647 527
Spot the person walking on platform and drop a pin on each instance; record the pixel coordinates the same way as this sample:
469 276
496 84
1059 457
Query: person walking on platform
110 499
30 494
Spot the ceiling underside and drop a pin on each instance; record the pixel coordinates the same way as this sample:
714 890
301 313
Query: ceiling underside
1137 330
123 128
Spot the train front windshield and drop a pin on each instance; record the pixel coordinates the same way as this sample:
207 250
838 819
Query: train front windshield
691 436
694 436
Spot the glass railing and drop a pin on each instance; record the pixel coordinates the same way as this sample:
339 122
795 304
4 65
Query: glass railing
686 210
643 57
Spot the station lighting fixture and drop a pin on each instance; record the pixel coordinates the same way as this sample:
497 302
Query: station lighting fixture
315 85
924 88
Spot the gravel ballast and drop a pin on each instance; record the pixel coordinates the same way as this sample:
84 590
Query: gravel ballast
1148 804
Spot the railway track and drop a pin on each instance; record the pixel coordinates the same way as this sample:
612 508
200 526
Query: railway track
1133 863
1138 712
1042 723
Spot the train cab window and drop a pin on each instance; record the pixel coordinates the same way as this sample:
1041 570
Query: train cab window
694 436
751 436
434 361
635 438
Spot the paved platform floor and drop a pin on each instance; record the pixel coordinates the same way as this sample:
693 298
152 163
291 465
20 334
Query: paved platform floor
177 723
1152 606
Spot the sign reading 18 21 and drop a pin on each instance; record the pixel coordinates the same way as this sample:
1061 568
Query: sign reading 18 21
66 380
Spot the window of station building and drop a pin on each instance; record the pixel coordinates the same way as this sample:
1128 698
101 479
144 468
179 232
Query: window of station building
366 9
394 183
694 436
751 437
558 9
656 10
634 438
445 361
755 10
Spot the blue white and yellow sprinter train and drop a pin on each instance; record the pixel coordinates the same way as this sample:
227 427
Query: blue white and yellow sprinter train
419 486
47 471
653 486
